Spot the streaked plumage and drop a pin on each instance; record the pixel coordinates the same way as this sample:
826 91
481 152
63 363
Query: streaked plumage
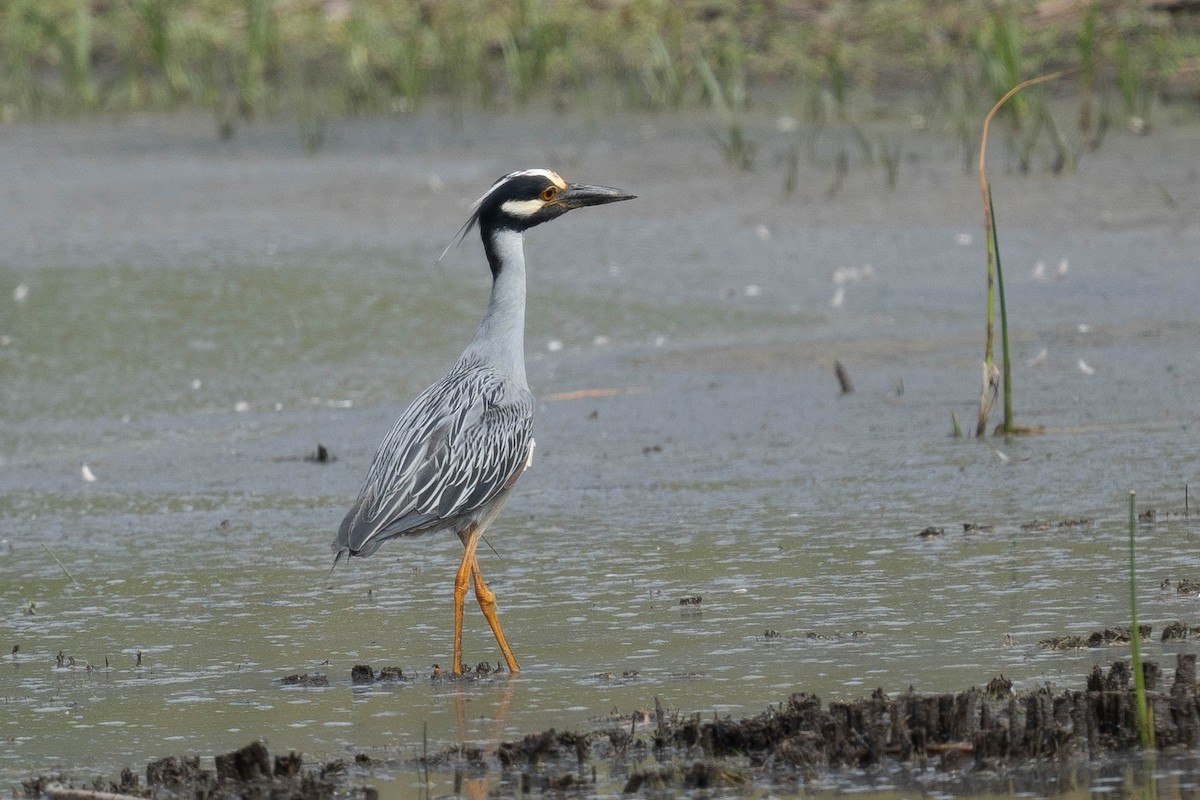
463 442
451 460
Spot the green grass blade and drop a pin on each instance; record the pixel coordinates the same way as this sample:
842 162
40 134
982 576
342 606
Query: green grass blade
1145 723
61 565
1006 362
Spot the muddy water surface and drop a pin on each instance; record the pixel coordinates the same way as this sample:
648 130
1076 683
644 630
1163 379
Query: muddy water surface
189 320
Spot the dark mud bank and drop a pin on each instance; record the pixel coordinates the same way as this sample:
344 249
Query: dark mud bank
989 730
992 730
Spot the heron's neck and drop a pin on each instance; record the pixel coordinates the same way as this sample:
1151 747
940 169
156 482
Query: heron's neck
500 337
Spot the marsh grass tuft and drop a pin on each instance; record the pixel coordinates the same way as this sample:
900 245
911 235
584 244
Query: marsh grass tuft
998 47
259 48
260 56
1087 42
841 168
662 85
791 172
729 101
1135 95
889 157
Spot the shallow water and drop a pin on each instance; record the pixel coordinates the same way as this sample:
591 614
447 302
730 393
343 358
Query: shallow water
189 320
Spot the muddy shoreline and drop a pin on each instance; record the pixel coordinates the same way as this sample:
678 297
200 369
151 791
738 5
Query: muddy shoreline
993 737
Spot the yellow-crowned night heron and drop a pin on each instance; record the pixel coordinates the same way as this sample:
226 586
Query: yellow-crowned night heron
450 461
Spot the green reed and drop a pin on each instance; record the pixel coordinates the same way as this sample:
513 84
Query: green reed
1087 42
998 48
729 101
1145 720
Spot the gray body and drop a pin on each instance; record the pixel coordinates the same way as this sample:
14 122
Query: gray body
451 460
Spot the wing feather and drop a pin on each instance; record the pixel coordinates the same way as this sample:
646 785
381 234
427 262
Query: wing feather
461 442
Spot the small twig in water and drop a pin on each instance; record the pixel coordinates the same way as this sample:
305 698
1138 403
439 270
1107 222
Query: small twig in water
60 564
843 377
425 757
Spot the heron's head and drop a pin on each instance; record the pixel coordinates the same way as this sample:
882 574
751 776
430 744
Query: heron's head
529 197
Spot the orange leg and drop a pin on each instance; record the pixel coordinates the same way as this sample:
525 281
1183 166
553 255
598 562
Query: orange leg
487 604
461 578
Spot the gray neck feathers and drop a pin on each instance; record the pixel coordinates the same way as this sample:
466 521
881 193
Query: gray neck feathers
500 337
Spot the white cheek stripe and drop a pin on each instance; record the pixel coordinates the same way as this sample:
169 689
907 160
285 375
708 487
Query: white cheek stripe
523 209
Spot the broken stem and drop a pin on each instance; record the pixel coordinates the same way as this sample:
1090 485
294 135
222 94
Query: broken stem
990 372
60 565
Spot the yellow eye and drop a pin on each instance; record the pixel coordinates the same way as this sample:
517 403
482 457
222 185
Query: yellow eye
548 193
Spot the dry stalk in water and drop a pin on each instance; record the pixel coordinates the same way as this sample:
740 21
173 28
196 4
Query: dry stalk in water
991 374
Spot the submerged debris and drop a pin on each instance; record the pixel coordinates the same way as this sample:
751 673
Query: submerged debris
365 674
1063 643
321 456
697 775
1104 638
1174 631
813 636
243 773
545 746
844 382
1045 524
1118 636
315 679
998 688
628 676
481 670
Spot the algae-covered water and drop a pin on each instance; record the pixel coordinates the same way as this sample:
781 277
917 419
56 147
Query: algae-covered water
182 321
